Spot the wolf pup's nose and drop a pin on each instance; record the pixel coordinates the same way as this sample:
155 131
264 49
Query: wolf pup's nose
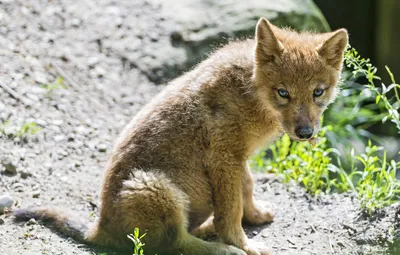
304 132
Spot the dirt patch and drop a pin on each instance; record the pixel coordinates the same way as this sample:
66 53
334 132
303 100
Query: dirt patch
61 165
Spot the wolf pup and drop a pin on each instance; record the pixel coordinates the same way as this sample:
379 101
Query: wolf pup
179 170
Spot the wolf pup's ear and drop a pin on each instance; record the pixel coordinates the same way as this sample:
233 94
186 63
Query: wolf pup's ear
332 49
267 46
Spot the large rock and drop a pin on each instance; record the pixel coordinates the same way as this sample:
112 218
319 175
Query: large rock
194 27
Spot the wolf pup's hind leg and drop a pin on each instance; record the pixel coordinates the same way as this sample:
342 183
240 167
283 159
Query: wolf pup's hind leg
150 201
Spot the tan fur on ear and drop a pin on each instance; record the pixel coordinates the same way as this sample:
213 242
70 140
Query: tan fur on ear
267 46
332 49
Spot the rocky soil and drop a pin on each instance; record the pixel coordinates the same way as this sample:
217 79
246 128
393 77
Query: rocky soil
57 135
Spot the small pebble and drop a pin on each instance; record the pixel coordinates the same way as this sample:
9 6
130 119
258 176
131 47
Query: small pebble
6 201
31 222
64 179
59 138
25 173
63 152
19 187
10 165
1 221
61 107
41 122
75 22
102 147
71 137
36 194
58 122
255 232
99 71
92 61
341 244
22 154
40 78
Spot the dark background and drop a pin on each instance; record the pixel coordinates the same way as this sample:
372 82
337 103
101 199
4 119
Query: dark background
374 27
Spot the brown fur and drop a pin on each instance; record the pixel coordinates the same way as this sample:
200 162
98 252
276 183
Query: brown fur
183 157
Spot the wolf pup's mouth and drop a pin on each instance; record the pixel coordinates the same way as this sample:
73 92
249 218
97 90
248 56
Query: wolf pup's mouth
313 140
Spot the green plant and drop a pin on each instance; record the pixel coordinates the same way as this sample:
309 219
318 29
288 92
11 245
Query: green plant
356 109
364 101
363 67
300 161
376 184
27 128
136 238
3 127
57 84
137 242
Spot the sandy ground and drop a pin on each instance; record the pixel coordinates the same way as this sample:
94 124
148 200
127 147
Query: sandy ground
62 164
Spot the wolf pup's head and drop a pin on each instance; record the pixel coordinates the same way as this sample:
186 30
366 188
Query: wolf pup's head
296 75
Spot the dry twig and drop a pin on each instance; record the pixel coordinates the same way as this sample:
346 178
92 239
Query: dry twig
75 85
14 94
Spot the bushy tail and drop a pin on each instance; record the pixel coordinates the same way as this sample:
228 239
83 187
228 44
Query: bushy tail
55 220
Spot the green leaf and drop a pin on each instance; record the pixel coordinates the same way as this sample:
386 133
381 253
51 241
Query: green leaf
378 97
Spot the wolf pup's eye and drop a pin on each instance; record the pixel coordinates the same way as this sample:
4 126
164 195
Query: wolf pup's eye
318 92
283 93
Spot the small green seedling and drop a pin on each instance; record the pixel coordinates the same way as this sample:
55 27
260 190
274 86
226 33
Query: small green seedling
28 128
3 127
57 84
137 242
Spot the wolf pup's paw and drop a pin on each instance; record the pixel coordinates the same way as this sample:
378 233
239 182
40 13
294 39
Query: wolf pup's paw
256 248
261 214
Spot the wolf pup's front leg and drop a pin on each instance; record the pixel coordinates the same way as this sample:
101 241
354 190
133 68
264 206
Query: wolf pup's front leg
255 212
228 207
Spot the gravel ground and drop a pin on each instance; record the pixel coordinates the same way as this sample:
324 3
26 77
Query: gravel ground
95 46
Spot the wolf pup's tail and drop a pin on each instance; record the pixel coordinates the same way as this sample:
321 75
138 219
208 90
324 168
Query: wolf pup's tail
55 220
